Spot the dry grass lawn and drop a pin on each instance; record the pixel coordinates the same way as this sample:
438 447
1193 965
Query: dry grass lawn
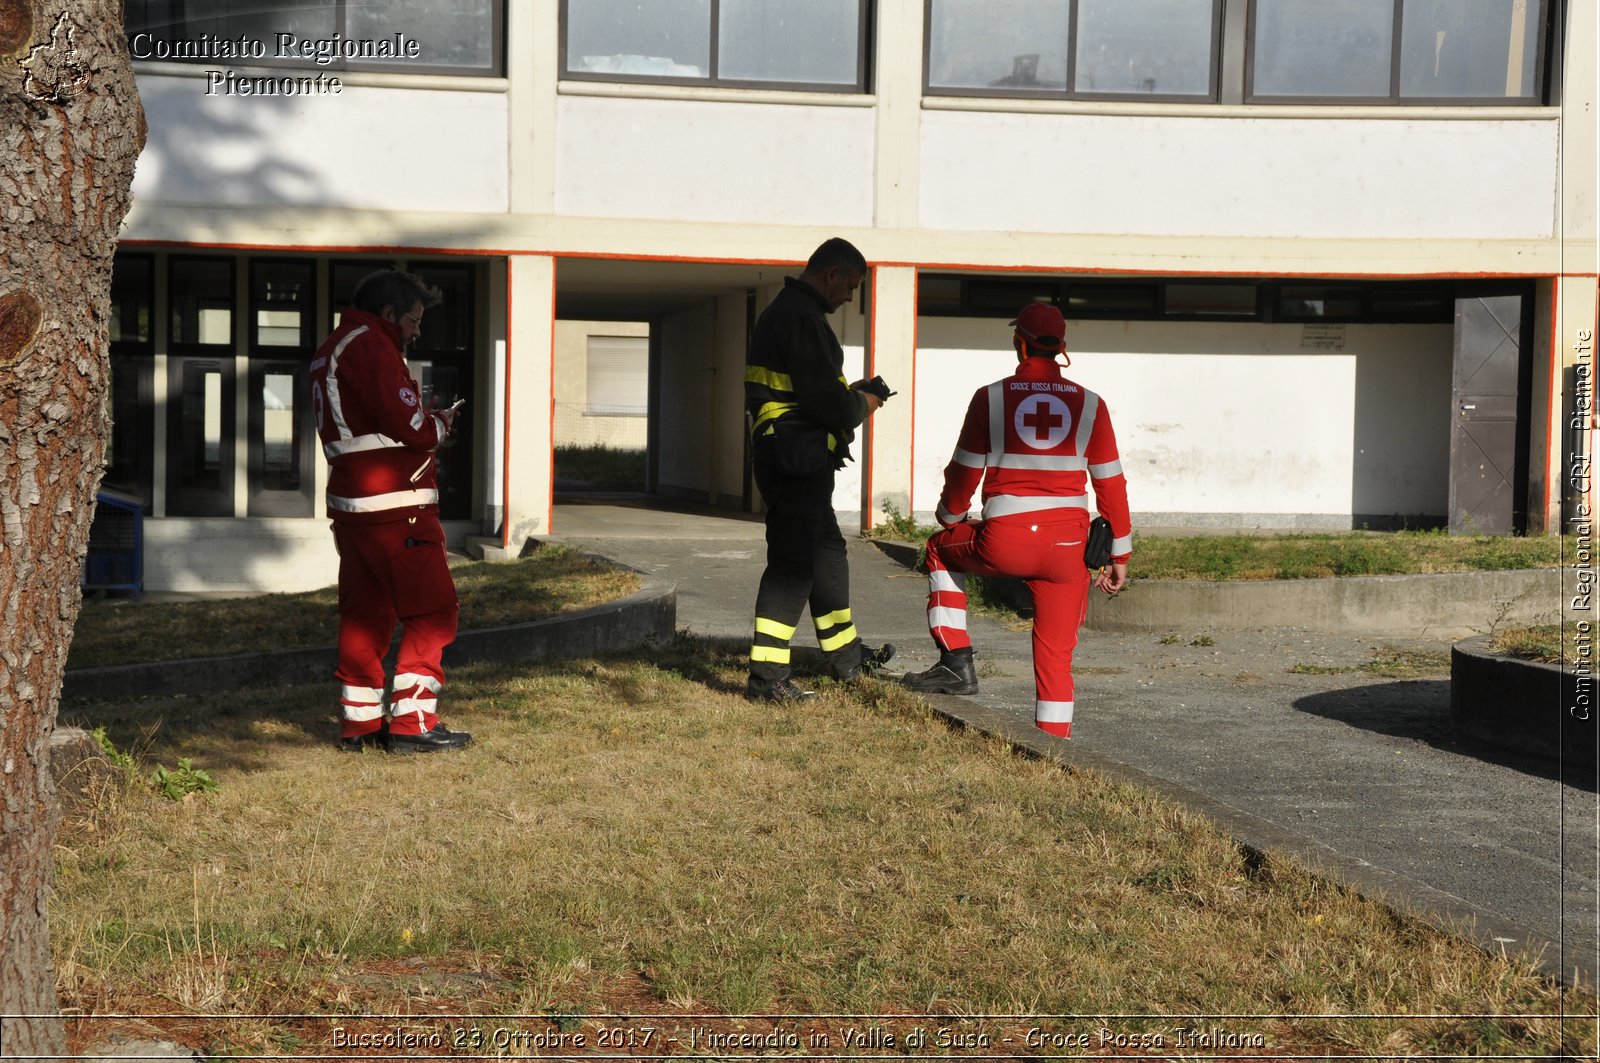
631 837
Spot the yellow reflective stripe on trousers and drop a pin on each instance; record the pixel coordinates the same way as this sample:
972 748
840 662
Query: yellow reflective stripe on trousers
773 628
845 636
838 616
769 654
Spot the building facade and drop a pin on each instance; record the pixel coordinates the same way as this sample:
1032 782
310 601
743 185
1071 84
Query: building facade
1330 264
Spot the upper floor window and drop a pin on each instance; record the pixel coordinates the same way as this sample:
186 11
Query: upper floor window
403 36
1425 51
817 45
1161 49
1269 51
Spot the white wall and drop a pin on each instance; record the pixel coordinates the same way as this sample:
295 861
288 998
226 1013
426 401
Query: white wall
1194 176
367 147
699 160
225 556
1228 423
574 425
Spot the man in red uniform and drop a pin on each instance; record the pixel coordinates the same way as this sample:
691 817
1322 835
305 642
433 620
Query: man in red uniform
1035 440
383 498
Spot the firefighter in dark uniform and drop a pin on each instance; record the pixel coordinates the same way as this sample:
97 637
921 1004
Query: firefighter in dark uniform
803 418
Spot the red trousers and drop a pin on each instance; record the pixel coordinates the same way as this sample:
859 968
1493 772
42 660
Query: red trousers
393 571
1049 557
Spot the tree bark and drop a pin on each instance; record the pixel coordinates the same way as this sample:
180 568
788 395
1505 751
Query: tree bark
71 129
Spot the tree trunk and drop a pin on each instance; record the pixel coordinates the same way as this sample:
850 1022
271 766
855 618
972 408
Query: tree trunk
70 130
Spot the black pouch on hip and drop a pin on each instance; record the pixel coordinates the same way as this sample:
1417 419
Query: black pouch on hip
1097 547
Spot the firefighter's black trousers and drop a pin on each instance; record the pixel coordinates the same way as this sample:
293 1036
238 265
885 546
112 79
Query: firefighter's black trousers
806 564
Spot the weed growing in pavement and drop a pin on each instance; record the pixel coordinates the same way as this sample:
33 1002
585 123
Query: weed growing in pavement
629 834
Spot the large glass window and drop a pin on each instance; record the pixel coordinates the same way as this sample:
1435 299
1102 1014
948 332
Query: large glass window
1396 50
1092 48
819 44
410 36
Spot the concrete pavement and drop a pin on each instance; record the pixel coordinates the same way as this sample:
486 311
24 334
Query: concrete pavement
1357 776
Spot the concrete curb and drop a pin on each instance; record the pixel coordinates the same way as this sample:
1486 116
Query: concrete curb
647 616
1443 605
1523 706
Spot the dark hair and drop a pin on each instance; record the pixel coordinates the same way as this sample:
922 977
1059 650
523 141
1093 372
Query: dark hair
836 252
393 287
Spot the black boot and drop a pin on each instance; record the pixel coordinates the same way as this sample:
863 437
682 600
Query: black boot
954 674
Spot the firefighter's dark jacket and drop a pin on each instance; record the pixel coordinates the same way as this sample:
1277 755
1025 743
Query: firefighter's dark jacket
794 381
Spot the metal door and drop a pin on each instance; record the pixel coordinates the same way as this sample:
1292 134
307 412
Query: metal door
1488 462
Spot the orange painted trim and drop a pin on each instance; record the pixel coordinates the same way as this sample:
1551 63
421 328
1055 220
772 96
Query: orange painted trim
869 369
505 430
550 421
911 393
1552 402
1106 271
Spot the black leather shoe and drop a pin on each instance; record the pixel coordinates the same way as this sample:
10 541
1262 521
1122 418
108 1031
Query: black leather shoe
370 740
439 740
780 691
954 674
872 661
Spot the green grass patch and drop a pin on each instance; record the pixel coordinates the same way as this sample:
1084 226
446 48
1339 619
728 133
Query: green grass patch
1538 642
630 835
1306 556
554 580
602 468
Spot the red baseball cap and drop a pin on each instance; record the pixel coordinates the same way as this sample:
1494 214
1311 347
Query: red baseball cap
1042 325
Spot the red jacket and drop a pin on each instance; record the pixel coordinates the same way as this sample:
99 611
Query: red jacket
378 438
1035 440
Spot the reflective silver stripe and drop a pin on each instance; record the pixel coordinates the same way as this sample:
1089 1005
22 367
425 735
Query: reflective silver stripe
417 418
1009 505
360 704
331 384
942 579
1052 711
357 444
997 420
361 713
1048 462
378 503
1106 470
944 616
407 680
969 459
1091 407
947 517
1123 545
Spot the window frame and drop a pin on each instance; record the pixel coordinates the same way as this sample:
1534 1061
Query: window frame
293 361
137 358
861 86
1543 24
181 501
495 69
1070 91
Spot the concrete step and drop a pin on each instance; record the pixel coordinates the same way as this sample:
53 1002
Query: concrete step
487 548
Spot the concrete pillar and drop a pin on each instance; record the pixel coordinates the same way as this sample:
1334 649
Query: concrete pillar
530 367
897 84
891 354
